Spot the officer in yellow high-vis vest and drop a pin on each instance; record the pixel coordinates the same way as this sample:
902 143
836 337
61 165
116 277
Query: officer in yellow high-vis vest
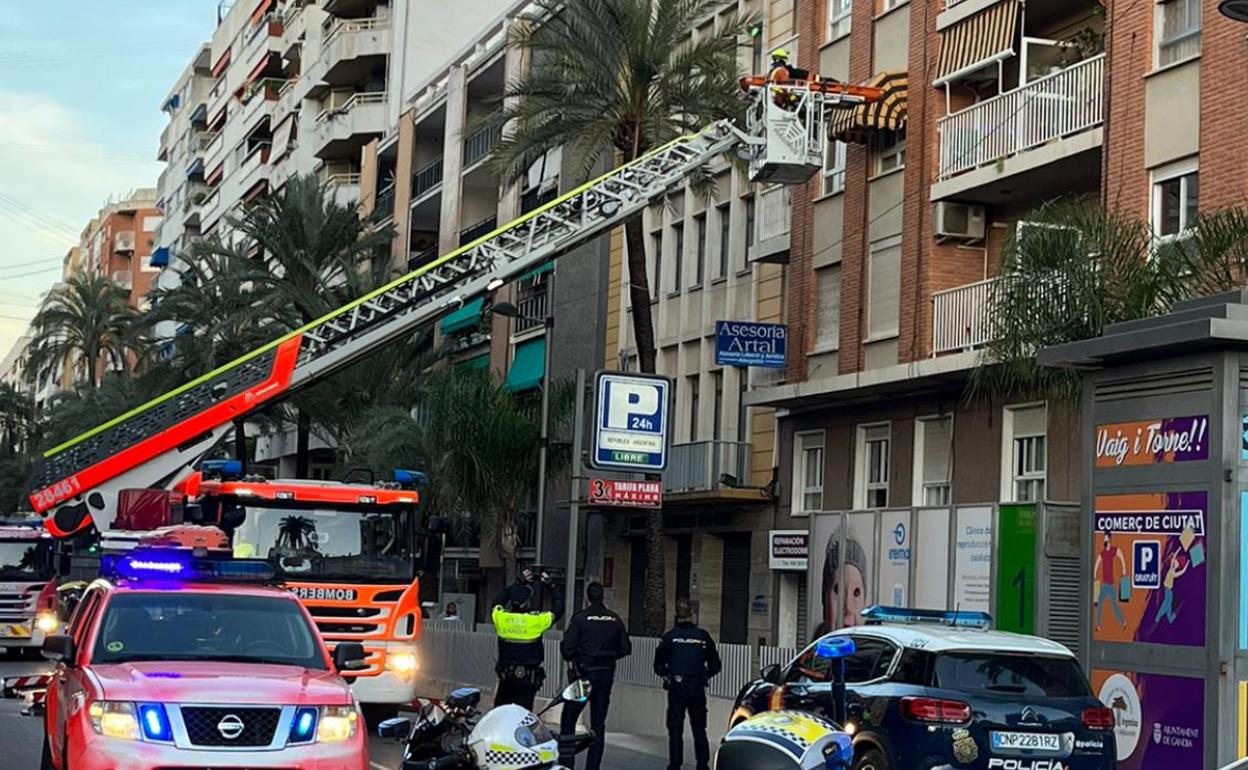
520 652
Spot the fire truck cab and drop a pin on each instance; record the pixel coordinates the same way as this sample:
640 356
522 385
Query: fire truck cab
351 553
27 585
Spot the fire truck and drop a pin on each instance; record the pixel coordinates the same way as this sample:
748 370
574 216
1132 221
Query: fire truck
159 444
27 584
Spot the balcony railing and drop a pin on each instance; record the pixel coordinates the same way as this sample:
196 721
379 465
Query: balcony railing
961 317
476 230
700 465
1053 107
774 213
480 143
123 242
532 303
419 258
355 25
427 178
383 206
356 100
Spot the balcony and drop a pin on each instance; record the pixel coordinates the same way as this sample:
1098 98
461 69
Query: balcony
961 319
350 48
700 466
476 230
479 144
341 131
123 242
259 99
532 301
346 188
214 153
417 259
1040 136
383 205
775 216
255 166
426 178
123 279
210 210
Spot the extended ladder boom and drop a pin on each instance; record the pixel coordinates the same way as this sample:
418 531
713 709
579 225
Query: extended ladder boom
158 442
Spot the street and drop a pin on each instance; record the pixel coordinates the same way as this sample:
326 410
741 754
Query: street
23 735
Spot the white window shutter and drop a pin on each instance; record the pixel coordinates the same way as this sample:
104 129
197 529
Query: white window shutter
885 289
1029 421
828 284
936 449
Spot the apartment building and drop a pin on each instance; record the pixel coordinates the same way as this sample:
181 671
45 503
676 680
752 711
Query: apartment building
992 107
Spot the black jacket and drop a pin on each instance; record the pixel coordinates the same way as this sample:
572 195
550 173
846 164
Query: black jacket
595 639
687 651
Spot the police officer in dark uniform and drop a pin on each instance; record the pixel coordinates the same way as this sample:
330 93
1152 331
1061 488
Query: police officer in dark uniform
686 659
595 639
520 625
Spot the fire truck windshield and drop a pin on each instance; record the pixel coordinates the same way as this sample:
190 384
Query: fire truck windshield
25 559
328 544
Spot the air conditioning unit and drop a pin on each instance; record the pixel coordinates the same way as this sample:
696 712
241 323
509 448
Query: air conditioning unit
961 221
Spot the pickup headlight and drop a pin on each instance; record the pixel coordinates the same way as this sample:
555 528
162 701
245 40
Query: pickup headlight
114 719
401 662
337 723
47 622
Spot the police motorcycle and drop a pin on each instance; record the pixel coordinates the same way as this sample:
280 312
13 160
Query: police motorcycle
455 735
795 740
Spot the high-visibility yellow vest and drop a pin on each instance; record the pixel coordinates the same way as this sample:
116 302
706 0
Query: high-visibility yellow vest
521 626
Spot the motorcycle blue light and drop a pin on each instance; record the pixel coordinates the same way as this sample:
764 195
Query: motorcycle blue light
835 647
155 722
303 728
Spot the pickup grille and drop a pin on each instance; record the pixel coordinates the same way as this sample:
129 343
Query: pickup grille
201 722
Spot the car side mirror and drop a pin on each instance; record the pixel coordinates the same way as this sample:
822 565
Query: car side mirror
60 648
398 728
771 674
350 656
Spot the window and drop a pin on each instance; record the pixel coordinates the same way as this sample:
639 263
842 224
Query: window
725 238
756 52
828 330
679 259
1178 35
656 248
1175 201
807 472
888 5
890 151
932 449
839 12
694 388
1023 676
871 660
699 271
833 167
872 471
884 289
749 222
743 411
1025 452
717 377
151 223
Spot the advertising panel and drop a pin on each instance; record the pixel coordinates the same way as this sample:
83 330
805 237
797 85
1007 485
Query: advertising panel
1148 556
631 422
1152 442
746 343
972 577
1159 719
894 559
1243 570
790 549
825 534
1016 568
858 584
625 494
931 562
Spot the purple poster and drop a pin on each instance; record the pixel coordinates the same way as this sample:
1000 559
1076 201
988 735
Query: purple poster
1160 719
1152 442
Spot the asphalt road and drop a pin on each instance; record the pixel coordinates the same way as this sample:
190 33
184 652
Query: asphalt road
22 736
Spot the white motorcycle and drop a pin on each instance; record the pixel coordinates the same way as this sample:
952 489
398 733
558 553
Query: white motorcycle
454 735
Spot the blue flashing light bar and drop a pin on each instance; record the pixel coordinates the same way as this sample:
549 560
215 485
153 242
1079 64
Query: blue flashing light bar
155 564
303 727
222 468
957 618
410 479
155 723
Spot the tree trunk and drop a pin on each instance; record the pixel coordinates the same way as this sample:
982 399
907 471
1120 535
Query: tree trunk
303 433
240 443
639 292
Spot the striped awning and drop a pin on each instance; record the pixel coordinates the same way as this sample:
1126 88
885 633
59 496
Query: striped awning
976 42
888 114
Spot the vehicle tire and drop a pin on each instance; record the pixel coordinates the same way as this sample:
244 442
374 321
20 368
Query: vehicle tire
871 759
45 760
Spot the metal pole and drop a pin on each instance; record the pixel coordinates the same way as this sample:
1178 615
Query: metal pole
544 441
574 506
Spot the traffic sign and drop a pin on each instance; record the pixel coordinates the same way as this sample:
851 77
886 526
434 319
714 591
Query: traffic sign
631 421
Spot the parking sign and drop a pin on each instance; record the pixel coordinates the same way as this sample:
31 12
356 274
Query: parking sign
630 428
1146 564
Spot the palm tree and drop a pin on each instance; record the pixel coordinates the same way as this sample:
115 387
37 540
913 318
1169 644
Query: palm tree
88 318
615 79
1078 268
295 533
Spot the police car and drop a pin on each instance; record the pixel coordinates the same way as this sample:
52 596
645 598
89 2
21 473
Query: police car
939 690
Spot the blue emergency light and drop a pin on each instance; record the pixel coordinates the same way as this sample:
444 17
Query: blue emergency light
155 722
835 647
222 468
957 618
180 564
303 726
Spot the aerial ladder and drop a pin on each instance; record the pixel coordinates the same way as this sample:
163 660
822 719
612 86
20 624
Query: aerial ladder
158 443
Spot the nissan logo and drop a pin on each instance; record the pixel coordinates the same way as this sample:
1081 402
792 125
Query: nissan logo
230 727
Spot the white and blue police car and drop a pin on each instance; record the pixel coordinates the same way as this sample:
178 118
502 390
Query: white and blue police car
929 690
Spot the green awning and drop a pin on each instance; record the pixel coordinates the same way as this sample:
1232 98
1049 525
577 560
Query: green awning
528 366
545 267
466 317
477 363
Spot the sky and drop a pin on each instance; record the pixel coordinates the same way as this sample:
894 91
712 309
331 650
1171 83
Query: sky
81 86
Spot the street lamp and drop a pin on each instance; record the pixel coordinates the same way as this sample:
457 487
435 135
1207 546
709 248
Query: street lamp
1234 9
508 310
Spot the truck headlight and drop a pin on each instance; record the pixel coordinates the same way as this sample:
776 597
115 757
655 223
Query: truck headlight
338 723
401 662
114 719
47 622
